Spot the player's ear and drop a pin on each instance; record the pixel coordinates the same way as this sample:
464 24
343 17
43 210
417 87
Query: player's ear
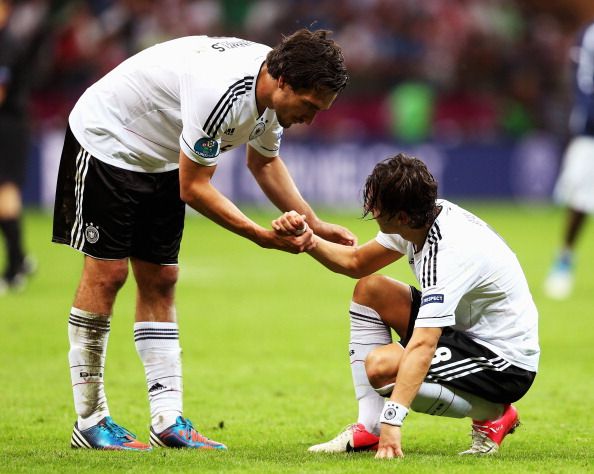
281 82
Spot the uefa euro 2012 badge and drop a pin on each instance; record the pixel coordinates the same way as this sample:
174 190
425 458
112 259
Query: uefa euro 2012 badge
207 147
91 233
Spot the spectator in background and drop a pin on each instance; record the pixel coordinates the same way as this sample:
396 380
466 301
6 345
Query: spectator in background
575 185
486 63
17 53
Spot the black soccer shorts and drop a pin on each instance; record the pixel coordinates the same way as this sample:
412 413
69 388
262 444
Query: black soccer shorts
112 213
463 364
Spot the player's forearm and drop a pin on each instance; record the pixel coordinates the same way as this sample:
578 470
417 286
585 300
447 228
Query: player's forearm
339 258
278 186
208 201
413 369
356 262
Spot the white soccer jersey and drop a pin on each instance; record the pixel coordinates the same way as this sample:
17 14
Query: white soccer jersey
195 93
472 281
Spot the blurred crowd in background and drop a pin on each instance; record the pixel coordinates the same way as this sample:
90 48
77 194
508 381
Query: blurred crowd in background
447 70
481 90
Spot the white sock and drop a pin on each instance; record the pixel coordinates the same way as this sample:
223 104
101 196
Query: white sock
158 346
439 400
482 409
88 334
368 331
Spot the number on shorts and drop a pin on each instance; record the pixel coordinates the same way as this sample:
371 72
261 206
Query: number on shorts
442 354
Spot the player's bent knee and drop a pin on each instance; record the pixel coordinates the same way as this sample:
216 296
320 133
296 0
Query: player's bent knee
368 289
379 368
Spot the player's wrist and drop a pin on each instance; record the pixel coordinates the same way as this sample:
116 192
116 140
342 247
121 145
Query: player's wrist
393 413
314 222
265 238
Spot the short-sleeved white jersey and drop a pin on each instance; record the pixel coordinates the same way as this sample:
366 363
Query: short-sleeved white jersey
195 93
472 281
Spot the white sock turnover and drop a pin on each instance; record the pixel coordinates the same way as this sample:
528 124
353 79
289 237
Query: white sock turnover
368 331
88 334
158 346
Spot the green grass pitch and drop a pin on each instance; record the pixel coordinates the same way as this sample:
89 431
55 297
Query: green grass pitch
265 336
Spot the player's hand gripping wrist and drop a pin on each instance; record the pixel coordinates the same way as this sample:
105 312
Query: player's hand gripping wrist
393 413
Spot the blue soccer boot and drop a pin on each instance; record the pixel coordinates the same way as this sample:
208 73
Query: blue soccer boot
106 435
182 435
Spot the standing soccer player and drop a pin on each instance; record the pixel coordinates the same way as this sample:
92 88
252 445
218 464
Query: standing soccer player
144 141
469 337
575 185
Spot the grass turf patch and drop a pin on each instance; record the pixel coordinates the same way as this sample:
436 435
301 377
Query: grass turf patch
266 371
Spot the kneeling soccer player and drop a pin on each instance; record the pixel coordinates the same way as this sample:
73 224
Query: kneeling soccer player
469 337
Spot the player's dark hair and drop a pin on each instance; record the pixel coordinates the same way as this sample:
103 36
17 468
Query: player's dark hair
401 183
309 60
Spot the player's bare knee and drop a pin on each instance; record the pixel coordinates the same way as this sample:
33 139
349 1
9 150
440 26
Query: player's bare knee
105 279
115 276
368 289
167 278
378 368
162 282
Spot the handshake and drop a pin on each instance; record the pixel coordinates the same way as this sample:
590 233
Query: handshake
290 223
292 234
294 231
